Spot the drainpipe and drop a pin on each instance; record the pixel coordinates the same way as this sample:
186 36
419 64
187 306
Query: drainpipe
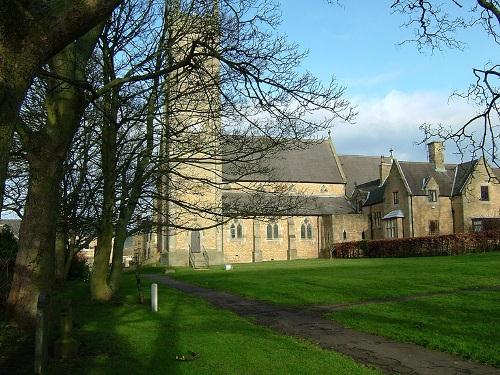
319 246
411 216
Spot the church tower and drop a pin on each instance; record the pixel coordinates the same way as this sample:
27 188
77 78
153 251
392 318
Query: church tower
190 202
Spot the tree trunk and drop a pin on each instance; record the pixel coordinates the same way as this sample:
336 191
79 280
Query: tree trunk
99 287
46 151
117 263
34 269
61 250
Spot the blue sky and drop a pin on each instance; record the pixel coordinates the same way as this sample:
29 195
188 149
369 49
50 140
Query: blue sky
395 87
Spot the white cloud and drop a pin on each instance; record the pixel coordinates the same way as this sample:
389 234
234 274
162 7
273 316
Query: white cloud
393 122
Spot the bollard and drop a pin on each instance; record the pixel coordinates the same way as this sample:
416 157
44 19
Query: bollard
42 332
154 297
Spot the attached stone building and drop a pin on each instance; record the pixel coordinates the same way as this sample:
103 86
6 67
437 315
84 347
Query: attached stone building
422 199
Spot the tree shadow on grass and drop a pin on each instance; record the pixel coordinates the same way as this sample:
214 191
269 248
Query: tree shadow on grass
119 338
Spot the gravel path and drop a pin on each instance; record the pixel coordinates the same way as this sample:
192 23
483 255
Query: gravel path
390 356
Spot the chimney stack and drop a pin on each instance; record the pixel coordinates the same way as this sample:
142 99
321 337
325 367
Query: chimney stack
385 167
436 155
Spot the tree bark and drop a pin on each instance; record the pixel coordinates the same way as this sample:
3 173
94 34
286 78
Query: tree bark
34 269
61 253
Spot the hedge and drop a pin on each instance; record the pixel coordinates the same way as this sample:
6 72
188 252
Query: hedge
450 244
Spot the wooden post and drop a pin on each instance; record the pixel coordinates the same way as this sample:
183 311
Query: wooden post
42 332
154 297
66 346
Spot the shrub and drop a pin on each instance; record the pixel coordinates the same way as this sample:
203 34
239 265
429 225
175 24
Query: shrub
79 269
450 244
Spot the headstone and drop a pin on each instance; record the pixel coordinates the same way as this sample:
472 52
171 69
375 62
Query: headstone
154 297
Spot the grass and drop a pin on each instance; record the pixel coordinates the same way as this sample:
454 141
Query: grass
126 338
337 281
466 324
463 323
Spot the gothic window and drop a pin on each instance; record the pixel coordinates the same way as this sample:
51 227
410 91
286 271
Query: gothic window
236 230
363 235
344 235
306 230
272 231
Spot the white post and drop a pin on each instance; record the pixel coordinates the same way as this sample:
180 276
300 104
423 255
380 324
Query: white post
154 297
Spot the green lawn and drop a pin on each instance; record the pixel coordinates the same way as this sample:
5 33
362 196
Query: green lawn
347 280
127 338
466 324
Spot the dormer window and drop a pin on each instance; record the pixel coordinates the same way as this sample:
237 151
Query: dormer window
432 196
485 195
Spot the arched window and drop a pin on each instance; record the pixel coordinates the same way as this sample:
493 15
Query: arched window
306 230
236 230
323 189
272 231
309 232
363 235
344 235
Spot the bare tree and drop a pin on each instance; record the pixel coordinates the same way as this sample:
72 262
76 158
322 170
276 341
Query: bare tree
436 26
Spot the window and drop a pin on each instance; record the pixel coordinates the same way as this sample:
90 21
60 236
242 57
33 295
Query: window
236 230
432 196
363 235
477 225
306 230
344 235
360 206
485 196
395 197
433 227
391 228
323 189
272 231
377 219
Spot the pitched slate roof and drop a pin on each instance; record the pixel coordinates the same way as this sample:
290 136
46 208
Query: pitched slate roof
315 162
375 196
369 186
359 169
461 174
266 204
416 172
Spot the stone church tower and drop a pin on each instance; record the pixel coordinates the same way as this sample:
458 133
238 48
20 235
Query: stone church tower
191 210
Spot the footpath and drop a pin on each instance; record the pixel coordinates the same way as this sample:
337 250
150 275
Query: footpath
390 356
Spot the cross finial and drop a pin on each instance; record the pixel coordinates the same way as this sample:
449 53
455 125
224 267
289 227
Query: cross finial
391 151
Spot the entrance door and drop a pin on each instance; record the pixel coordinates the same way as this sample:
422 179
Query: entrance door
195 241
